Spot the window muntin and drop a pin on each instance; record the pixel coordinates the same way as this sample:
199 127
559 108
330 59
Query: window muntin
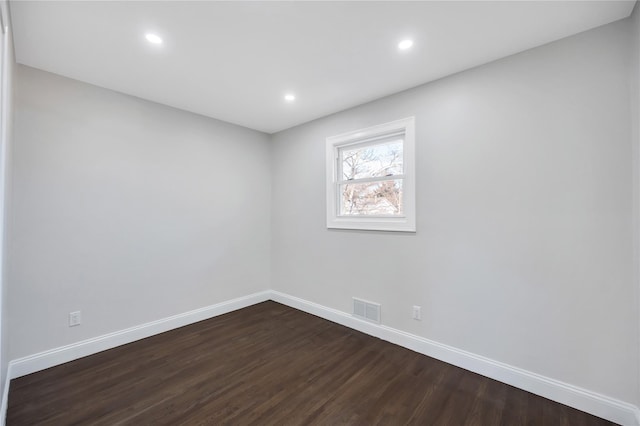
370 178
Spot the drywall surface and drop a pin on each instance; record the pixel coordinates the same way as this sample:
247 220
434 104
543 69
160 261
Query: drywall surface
523 249
128 211
634 80
9 64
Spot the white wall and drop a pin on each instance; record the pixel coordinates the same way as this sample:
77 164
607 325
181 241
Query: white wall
131 211
523 249
127 210
8 64
634 22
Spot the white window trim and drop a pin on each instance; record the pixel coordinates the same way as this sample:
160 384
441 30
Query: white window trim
407 223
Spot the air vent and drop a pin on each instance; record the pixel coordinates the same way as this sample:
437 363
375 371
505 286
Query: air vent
366 310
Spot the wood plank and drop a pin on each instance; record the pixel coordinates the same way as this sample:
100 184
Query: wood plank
269 364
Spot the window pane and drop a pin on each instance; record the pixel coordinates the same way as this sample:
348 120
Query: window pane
372 198
382 159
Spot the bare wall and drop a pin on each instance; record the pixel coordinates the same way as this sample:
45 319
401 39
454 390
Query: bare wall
127 210
523 250
8 63
634 22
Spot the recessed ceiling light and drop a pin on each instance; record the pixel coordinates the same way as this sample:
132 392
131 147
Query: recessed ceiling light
405 44
153 38
289 97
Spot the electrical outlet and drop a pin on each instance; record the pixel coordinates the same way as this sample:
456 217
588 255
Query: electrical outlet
417 313
75 318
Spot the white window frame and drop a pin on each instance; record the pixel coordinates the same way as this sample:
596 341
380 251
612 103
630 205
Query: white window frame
405 223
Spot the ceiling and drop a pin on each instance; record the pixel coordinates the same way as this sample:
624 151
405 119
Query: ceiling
236 60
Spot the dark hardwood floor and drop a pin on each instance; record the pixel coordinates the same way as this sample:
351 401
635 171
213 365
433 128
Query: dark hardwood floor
272 365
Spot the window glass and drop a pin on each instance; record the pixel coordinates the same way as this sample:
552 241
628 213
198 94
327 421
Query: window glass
371 178
379 198
380 159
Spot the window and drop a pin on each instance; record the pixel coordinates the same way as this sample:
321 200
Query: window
371 178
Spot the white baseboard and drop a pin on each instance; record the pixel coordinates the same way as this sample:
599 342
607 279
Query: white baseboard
46 359
573 396
564 393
